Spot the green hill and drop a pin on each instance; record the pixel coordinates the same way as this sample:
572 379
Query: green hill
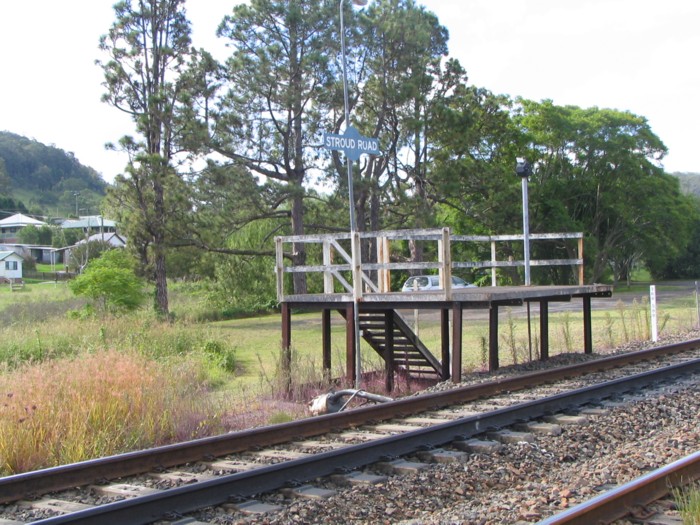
46 179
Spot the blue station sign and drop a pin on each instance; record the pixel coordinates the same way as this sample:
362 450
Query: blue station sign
351 143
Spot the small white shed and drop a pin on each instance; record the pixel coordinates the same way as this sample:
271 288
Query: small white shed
10 265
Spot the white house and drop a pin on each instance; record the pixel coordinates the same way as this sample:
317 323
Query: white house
111 238
10 226
10 265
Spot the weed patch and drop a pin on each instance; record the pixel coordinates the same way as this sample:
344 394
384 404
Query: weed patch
70 410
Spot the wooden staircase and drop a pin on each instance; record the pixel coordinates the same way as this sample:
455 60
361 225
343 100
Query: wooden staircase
409 354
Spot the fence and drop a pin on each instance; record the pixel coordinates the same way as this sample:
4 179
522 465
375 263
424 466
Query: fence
354 275
48 276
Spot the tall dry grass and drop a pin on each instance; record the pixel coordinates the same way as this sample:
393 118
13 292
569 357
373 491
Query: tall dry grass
73 409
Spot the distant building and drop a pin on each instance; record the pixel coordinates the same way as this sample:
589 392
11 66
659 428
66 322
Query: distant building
10 226
41 254
113 239
90 224
10 265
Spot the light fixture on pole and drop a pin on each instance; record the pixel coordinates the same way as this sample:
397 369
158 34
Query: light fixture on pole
354 236
523 169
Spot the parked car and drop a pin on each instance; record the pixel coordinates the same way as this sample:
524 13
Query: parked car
431 282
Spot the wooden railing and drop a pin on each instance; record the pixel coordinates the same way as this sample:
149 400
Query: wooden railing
357 281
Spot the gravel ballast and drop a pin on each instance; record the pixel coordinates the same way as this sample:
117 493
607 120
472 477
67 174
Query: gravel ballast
523 482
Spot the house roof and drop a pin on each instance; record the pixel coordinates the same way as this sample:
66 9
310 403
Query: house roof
92 221
6 255
112 238
19 219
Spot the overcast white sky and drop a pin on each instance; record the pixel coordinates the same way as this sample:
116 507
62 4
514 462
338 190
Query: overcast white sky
634 55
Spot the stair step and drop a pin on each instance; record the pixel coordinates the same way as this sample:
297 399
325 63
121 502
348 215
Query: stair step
408 352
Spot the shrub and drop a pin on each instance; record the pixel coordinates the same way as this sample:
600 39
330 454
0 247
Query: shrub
111 283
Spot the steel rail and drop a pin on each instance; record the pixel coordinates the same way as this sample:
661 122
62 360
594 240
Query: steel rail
616 503
188 498
63 477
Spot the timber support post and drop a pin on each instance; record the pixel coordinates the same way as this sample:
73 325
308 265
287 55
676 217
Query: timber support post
544 330
587 326
445 343
350 347
286 348
326 335
493 337
456 362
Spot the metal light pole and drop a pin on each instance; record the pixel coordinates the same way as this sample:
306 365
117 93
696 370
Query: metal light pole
76 194
524 170
354 237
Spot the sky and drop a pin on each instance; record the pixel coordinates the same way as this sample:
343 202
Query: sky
630 55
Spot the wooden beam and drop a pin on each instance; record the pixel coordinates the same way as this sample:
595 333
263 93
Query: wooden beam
445 340
350 349
287 347
456 364
326 335
493 337
587 326
544 330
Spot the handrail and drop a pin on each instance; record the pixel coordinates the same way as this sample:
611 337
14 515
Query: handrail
333 249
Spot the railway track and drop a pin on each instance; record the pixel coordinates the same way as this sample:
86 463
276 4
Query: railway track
636 494
444 419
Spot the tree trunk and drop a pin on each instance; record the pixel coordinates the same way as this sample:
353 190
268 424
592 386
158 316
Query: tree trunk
159 269
161 282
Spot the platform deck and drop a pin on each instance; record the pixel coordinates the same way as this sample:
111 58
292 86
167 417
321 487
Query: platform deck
478 297
449 365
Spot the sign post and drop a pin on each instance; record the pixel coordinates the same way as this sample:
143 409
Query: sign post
352 144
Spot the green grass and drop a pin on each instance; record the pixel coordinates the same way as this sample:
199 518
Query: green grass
220 375
688 501
70 410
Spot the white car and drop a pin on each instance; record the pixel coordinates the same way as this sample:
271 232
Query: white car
431 282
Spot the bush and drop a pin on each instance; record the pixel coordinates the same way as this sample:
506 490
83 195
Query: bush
110 282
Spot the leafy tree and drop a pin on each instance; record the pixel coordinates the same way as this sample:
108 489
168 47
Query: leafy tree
687 264
245 282
600 167
5 181
10 206
145 76
401 48
81 254
109 281
63 237
280 83
39 236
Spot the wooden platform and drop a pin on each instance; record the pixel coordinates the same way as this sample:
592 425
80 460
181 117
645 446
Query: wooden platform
357 284
479 297
450 354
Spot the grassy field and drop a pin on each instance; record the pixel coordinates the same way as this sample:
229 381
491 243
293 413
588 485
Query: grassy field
64 376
